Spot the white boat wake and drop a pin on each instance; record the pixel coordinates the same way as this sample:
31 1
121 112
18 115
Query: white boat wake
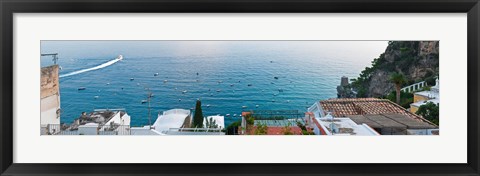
106 64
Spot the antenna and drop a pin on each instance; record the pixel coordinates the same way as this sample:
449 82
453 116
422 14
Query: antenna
149 97
149 108
54 56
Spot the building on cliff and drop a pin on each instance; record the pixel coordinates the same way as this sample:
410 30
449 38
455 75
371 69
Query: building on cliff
384 116
423 97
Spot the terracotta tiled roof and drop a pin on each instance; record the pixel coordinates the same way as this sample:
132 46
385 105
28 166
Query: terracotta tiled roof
342 107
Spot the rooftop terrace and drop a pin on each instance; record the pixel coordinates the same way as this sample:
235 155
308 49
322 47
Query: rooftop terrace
346 107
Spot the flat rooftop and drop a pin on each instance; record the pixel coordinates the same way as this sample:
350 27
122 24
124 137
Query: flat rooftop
391 121
100 117
278 123
345 126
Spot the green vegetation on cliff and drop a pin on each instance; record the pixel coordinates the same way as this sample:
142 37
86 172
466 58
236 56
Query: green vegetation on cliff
416 60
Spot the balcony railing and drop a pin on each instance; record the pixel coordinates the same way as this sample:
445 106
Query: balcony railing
58 129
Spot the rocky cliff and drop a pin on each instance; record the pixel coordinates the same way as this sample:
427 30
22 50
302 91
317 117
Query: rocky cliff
417 60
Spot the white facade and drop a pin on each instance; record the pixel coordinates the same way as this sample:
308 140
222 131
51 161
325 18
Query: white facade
50 110
170 119
317 110
219 120
433 95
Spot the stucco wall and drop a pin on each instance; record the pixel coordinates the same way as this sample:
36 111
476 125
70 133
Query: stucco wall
49 95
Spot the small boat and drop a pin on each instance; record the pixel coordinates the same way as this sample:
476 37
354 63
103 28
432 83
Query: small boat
96 97
218 90
108 83
244 106
280 90
273 100
208 105
220 81
144 101
82 88
179 99
256 106
151 95
234 115
165 81
288 101
271 61
197 73
185 91
131 79
227 115
275 77
249 85
231 85
211 94
274 94
156 74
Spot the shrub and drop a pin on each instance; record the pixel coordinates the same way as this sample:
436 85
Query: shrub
430 111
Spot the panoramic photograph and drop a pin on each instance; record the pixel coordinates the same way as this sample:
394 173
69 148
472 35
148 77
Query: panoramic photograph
158 87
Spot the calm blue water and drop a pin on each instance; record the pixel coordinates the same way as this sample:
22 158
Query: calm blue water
307 71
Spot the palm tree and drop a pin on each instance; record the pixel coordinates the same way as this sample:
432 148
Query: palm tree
398 79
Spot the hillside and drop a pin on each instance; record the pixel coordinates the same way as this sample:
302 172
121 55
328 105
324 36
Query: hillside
417 60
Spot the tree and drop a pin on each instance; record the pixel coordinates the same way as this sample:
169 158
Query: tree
398 79
430 111
261 129
287 130
198 117
233 128
211 123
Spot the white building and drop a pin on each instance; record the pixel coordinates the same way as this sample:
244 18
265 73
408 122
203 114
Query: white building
179 122
172 119
98 122
49 97
423 97
219 120
329 125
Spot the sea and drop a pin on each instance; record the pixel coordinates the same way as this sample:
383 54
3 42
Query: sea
228 77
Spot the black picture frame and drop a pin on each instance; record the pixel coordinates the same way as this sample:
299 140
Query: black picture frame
9 7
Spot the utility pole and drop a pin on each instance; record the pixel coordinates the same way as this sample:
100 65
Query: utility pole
149 109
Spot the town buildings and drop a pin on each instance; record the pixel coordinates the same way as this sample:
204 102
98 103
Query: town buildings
386 117
423 97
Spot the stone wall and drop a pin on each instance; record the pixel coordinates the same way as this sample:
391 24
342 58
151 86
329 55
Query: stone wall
49 81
